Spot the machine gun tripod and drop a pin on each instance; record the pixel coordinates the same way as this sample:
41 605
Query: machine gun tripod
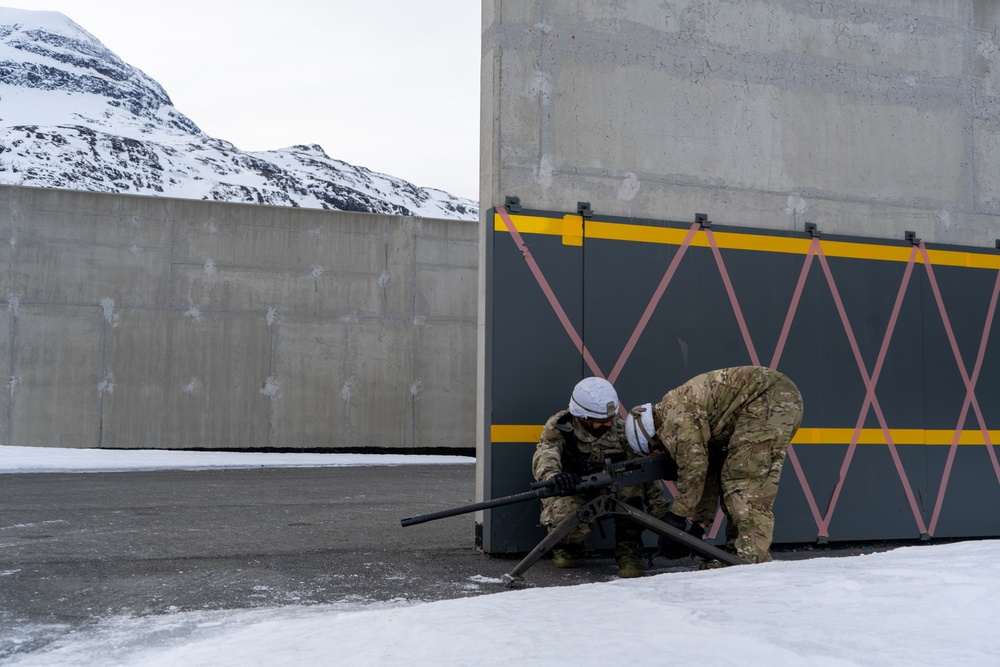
608 504
607 483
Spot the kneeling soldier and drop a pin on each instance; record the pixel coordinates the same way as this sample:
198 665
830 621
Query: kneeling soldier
576 442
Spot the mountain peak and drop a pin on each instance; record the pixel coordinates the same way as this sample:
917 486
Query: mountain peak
74 115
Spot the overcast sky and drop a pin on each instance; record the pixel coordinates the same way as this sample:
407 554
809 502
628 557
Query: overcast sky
392 85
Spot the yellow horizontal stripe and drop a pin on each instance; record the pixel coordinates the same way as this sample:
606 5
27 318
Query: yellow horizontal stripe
900 436
515 432
501 433
531 224
612 231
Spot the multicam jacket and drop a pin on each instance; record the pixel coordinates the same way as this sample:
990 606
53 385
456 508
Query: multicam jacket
566 445
696 420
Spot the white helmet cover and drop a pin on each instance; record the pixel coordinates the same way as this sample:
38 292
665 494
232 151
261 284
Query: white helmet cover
639 428
593 398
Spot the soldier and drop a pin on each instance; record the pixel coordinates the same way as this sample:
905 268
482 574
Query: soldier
728 430
576 442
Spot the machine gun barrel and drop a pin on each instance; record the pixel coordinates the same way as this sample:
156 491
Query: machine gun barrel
475 507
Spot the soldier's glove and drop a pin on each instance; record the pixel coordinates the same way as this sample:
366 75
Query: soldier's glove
697 530
565 482
678 522
671 549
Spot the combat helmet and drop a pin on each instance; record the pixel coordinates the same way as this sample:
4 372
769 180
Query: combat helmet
593 398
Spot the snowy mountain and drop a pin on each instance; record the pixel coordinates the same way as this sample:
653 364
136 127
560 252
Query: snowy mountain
73 115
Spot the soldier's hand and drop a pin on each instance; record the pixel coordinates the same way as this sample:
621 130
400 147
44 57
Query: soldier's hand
678 522
565 482
697 530
670 549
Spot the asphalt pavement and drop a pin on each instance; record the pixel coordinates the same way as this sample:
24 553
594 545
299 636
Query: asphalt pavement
76 548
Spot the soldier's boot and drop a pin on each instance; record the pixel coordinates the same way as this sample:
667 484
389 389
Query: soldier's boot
711 565
566 555
629 554
629 558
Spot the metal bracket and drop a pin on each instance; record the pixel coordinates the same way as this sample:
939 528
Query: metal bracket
812 231
512 204
912 238
583 208
702 219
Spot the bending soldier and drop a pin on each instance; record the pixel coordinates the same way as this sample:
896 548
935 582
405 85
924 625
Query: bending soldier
576 442
728 430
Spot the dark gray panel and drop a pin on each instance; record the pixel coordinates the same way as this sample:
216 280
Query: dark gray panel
695 327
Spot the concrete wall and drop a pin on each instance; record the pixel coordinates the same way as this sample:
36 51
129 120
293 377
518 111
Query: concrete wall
866 118
150 322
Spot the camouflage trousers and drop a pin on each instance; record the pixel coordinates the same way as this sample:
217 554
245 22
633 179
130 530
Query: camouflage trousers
556 509
750 473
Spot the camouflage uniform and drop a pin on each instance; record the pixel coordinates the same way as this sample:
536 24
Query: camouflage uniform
752 411
566 445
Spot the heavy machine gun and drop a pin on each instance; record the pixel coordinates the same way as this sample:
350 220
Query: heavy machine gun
606 484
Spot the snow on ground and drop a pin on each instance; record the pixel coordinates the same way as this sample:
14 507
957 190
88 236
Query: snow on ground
924 605
57 459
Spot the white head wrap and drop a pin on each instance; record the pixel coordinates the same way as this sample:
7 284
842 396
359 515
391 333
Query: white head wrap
639 428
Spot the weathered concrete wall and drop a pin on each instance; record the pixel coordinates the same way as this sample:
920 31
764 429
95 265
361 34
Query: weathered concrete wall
866 118
152 322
